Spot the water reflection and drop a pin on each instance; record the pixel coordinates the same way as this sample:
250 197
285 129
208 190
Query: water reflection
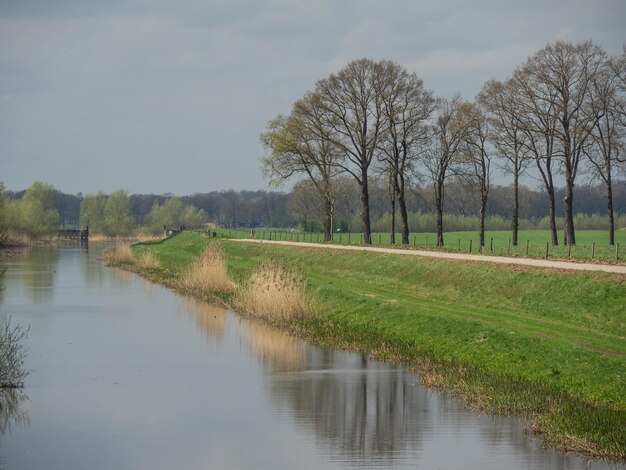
209 318
11 413
361 408
37 271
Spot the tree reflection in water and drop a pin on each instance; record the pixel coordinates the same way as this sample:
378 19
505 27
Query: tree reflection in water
359 407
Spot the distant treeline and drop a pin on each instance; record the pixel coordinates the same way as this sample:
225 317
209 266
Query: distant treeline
121 214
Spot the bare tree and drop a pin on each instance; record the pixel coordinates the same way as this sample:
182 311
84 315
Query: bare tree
476 156
607 151
561 74
300 144
537 120
499 102
447 134
352 100
406 106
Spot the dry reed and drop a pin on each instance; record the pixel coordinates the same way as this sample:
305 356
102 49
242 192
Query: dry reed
207 274
275 293
119 254
148 260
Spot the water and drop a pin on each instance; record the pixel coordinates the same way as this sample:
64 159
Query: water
129 375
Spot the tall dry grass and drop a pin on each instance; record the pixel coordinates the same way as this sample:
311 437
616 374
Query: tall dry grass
207 274
148 260
275 293
119 254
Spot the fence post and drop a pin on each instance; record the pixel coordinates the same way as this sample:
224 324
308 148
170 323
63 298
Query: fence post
547 249
379 239
491 244
340 237
470 250
616 252
508 250
414 240
593 250
348 238
527 243
459 245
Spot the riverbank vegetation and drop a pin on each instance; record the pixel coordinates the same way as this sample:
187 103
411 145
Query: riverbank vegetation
542 344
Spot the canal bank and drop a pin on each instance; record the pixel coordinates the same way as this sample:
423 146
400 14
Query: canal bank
126 374
544 345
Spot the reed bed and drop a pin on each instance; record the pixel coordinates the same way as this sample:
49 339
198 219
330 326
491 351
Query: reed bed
207 274
274 292
148 260
119 254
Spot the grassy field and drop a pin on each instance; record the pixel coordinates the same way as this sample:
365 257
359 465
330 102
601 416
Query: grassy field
543 344
531 243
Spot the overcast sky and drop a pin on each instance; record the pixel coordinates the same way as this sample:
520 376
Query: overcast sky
161 96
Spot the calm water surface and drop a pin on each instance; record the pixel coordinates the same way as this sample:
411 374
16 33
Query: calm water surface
129 375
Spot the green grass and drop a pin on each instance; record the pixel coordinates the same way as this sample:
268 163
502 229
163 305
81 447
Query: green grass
543 344
460 242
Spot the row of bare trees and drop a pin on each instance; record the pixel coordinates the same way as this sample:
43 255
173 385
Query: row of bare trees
560 112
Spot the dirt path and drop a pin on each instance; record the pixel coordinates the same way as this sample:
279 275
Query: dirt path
538 263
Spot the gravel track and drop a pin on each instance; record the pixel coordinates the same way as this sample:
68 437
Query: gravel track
507 260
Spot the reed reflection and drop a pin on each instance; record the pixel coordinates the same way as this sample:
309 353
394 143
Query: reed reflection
209 318
275 349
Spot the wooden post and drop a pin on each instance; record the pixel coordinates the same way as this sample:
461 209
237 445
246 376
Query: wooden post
340 237
414 240
527 243
508 250
547 249
379 239
593 250
459 245
491 245
616 252
361 239
348 238
470 250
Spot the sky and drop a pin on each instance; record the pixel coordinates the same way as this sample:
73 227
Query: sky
155 96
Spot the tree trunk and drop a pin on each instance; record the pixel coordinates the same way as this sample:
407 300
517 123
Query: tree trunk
481 235
365 208
439 204
568 203
403 212
392 233
552 213
515 215
328 221
609 200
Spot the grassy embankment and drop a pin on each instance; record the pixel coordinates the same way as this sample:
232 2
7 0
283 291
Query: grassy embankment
460 242
543 344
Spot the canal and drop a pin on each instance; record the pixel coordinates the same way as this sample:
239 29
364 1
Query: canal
126 374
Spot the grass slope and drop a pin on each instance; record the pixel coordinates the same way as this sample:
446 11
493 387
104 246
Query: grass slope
543 344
